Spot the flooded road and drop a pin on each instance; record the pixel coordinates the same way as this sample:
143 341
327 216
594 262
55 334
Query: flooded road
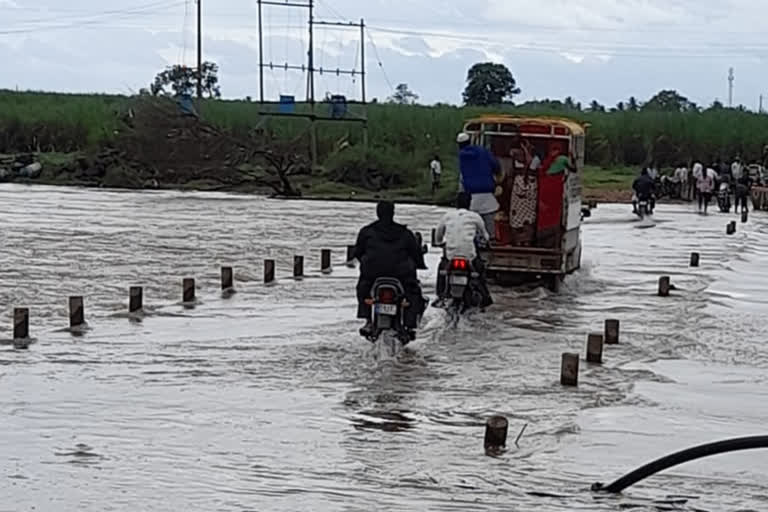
269 400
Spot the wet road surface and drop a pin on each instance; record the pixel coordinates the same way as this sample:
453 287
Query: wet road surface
268 400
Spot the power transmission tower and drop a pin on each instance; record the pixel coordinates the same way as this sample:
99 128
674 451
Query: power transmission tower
310 69
199 49
730 88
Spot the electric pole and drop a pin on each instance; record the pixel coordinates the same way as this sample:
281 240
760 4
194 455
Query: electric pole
730 88
199 49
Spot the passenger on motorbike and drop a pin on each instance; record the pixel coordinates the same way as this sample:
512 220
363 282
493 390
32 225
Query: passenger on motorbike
388 249
460 230
644 187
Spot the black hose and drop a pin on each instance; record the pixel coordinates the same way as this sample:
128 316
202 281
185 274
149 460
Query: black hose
687 455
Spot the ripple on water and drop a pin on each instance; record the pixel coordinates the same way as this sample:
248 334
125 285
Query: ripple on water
269 400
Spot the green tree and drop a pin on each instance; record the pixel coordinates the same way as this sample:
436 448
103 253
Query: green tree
670 101
633 105
403 95
716 105
489 84
620 107
596 107
183 80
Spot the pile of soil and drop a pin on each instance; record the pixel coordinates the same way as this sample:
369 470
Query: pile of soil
159 146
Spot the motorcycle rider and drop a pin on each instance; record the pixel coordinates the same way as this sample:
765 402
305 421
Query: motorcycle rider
644 187
460 231
388 249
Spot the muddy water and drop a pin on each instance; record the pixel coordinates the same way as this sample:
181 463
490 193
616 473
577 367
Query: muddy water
269 401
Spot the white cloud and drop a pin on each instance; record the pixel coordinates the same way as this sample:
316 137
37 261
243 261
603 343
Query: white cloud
608 49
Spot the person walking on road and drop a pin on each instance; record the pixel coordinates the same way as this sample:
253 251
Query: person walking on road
705 184
436 169
741 192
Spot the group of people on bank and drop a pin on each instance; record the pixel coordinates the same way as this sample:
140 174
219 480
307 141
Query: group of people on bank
698 183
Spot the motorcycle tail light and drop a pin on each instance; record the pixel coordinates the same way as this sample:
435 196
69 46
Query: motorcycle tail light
459 264
386 296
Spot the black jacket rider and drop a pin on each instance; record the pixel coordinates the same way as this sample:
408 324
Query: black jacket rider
644 186
388 249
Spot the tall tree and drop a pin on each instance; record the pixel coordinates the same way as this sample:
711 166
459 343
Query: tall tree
620 107
403 95
489 84
595 106
670 101
182 80
633 105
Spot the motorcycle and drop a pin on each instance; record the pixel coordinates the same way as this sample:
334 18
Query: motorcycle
724 198
643 208
463 286
388 303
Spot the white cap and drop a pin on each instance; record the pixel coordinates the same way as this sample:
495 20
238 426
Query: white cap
462 137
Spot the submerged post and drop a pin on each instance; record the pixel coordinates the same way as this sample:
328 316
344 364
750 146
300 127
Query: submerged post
135 299
325 261
730 229
350 255
695 257
595 348
496 429
744 216
269 271
298 267
612 332
569 370
434 238
227 279
76 312
664 286
188 295
20 326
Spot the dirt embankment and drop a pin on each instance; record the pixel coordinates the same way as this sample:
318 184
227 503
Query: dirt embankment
158 146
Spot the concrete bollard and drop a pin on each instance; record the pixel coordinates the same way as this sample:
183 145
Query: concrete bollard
76 312
695 257
664 286
496 429
325 261
350 255
269 271
744 216
188 295
595 348
569 370
20 327
135 299
612 332
227 279
298 267
730 229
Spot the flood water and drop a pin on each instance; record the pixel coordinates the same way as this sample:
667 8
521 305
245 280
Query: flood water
269 400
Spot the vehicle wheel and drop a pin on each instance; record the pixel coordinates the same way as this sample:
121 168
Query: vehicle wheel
554 283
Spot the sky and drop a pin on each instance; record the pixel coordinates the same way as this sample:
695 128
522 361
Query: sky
604 50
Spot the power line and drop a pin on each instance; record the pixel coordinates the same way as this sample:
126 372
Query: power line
150 8
378 59
96 20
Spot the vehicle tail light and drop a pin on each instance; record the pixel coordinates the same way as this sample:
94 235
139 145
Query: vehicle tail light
386 295
459 264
